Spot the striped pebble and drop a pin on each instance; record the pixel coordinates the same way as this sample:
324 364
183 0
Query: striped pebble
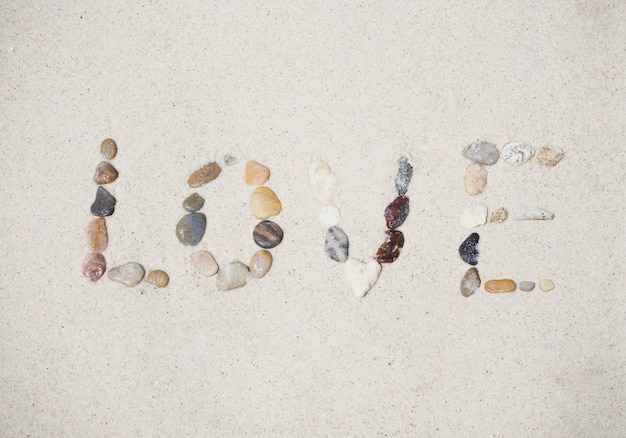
267 234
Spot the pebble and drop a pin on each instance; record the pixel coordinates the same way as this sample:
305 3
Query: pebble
470 282
264 203
324 183
548 157
205 263
204 175
232 276
530 212
517 153
546 285
94 266
108 149
190 228
405 173
397 212
389 251
97 236
104 204
336 244
193 203
482 152
497 286
469 249
158 278
473 216
361 276
475 179
105 173
229 160
256 173
260 263
499 215
330 215
129 274
267 234
526 286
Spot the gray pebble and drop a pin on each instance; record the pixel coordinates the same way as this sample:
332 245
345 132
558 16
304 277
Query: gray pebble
129 274
482 152
526 286
336 244
104 204
232 276
190 229
405 173
470 282
193 203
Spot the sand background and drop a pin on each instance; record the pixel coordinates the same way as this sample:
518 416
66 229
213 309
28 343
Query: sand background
295 354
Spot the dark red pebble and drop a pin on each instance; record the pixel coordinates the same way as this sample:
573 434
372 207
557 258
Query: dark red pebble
397 212
389 251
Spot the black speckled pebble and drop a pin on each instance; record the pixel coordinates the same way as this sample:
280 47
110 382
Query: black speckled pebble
267 234
336 244
193 203
405 173
469 249
104 204
190 229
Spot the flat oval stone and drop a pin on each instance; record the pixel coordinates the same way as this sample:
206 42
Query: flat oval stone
499 215
469 249
473 216
267 234
336 244
205 263
105 173
256 173
94 266
546 285
548 157
204 175
158 278
526 286
232 276
470 282
389 251
97 236
475 179
104 204
405 173
264 203
260 263
482 152
397 212
190 229
517 153
361 276
498 286
129 274
193 203
108 148
324 183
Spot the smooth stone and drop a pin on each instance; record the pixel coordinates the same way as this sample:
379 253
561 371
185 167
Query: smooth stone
499 215
517 153
264 203
498 286
104 204
548 157
129 274
232 276
204 263
94 266
405 173
105 173
361 276
108 148
473 217
193 203
482 152
204 175
526 286
260 263
530 212
336 244
469 249
97 235
256 173
229 160
324 183
546 285
158 278
330 215
475 179
267 234
470 282
190 229
397 212
390 249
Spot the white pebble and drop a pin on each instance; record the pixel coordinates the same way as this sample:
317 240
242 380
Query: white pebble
330 216
324 182
129 274
361 276
232 276
473 216
529 213
517 153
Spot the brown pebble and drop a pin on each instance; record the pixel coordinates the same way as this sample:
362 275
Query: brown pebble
105 173
499 215
108 149
470 282
548 157
158 278
256 173
204 175
97 236
264 203
475 179
497 286
94 266
390 249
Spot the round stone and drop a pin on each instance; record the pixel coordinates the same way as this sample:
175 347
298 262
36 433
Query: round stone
324 183
97 236
264 203
390 249
330 215
260 263
104 204
526 286
94 266
499 215
105 173
473 216
256 173
193 203
129 274
405 173
267 234
546 285
498 286
548 157
397 212
469 249
517 153
204 263
336 244
158 278
470 282
482 152
108 149
204 175
475 179
190 229
232 276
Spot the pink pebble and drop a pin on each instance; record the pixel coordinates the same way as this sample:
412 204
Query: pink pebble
94 266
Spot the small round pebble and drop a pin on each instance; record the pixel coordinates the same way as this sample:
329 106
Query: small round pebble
546 285
548 157
94 266
499 215
475 179
526 286
158 278
108 149
204 175
104 204
97 236
390 249
324 183
330 215
267 234
193 203
256 173
264 203
482 152
405 173
105 173
204 263
129 274
517 153
336 244
469 249
397 212
498 286
260 263
473 216
232 276
470 282
190 229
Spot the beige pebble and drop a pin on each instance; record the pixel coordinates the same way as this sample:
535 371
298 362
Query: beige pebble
264 203
204 175
499 215
105 173
158 278
470 282
473 216
546 285
204 263
108 148
548 157
324 183
129 274
232 276
256 173
97 236
475 179
497 286
260 263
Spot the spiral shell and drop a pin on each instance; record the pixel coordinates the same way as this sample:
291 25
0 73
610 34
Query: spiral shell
516 153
